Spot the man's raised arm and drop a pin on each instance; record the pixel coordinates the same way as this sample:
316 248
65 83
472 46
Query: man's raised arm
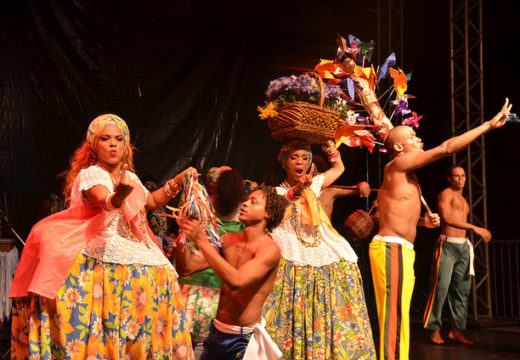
412 161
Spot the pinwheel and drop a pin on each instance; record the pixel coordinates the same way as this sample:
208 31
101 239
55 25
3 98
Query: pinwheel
357 135
400 79
384 70
412 120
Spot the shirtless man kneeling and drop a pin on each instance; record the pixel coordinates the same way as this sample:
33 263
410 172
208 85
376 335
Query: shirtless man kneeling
247 266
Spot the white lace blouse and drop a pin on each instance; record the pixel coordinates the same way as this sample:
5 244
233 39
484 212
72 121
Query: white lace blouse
116 243
303 244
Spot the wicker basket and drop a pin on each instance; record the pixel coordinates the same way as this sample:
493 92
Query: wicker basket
303 120
359 225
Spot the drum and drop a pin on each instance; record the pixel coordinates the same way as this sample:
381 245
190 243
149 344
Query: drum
359 225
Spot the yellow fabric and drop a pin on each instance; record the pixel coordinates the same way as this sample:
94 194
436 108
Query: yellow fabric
312 212
105 311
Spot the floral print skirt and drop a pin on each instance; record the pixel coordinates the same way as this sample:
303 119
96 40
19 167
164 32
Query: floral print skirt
319 312
201 307
104 311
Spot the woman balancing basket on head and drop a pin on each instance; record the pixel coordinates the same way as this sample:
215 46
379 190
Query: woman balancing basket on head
317 304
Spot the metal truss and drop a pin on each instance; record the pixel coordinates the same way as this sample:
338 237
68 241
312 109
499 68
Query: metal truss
389 39
467 111
390 30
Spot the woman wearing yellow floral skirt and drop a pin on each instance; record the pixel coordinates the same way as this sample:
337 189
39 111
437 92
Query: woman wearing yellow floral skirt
316 309
92 282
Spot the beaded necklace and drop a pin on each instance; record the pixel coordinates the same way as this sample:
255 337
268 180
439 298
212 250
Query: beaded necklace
296 221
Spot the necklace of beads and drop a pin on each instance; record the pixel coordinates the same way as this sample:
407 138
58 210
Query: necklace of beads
296 221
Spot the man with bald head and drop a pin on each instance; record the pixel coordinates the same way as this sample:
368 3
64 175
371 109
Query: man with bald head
391 251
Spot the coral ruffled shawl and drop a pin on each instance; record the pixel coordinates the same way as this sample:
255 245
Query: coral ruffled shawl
55 241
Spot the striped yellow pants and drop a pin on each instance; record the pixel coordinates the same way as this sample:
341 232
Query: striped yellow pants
391 261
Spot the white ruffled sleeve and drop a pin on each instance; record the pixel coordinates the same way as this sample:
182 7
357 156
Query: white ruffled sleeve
86 179
92 176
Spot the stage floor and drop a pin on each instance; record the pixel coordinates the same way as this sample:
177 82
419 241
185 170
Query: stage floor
502 342
490 343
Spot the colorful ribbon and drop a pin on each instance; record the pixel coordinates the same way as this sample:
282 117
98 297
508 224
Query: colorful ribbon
195 203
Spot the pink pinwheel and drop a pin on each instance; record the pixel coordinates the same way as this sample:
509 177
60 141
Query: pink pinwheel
412 120
354 49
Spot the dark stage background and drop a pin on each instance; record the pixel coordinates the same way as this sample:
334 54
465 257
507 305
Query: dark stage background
188 76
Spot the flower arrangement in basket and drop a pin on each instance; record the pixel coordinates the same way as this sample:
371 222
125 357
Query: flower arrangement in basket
346 108
302 106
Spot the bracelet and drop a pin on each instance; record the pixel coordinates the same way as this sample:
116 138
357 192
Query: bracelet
291 196
332 154
171 188
108 202
176 187
335 156
168 191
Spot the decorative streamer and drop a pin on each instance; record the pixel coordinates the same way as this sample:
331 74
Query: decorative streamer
195 203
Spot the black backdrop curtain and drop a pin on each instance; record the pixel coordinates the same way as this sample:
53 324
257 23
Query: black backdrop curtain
187 78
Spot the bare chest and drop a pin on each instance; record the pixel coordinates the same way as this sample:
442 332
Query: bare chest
459 204
239 254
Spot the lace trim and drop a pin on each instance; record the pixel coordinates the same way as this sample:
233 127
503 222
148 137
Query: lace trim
92 176
329 250
108 247
116 243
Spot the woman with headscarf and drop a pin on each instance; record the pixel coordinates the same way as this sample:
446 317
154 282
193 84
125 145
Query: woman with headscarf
316 309
92 282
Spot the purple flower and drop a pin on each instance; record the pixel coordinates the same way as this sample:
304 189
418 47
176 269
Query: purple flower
305 88
401 108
